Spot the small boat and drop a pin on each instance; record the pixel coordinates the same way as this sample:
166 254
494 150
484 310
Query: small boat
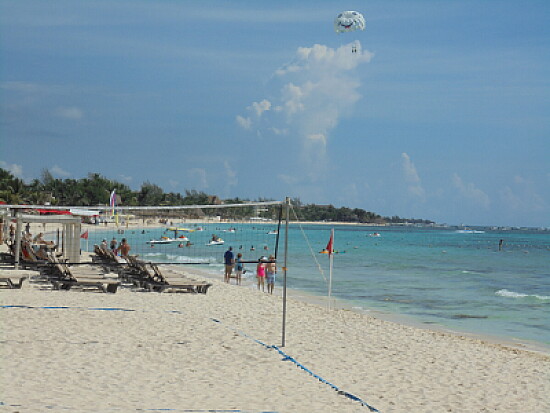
166 240
469 231
159 241
375 234
273 232
180 229
218 241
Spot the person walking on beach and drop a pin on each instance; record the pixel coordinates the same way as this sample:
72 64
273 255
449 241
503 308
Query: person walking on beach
239 268
124 248
229 259
260 273
271 270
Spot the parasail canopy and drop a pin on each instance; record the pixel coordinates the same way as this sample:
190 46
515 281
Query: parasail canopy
349 21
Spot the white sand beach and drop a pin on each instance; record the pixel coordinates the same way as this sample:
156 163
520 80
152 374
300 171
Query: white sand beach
170 353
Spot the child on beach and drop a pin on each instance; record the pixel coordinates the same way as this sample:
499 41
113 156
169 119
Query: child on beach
239 268
260 273
271 269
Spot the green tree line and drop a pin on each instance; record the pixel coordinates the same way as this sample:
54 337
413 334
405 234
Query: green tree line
96 189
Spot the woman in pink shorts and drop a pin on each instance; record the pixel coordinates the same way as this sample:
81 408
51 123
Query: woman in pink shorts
260 274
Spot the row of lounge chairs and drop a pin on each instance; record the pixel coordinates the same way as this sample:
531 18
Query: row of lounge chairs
147 275
65 278
61 276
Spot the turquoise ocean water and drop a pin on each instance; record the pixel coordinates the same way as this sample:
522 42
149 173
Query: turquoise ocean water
438 276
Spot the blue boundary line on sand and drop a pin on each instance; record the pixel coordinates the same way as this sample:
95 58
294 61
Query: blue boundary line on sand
157 410
286 357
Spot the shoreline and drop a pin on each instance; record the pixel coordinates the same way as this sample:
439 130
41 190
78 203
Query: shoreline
396 318
321 301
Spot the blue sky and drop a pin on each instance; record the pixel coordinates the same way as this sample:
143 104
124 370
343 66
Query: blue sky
443 113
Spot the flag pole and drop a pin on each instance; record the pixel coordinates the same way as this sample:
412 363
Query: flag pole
331 262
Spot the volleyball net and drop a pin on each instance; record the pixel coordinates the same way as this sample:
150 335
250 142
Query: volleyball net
187 234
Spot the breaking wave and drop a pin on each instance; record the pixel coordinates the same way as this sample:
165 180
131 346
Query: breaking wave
513 294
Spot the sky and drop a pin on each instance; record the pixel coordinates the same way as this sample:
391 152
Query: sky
442 113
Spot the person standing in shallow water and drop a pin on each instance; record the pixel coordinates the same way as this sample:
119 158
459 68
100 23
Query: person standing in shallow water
229 259
271 270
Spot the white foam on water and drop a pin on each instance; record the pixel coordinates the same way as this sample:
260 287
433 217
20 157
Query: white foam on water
512 294
184 258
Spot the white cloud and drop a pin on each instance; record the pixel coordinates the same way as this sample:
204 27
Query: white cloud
230 174
72 113
245 123
518 179
349 194
522 196
278 131
288 179
312 94
317 137
125 178
198 175
260 107
257 109
293 96
173 183
14 169
471 192
17 86
411 177
58 171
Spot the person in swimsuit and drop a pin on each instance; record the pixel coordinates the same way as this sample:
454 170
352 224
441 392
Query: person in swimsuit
124 248
271 269
260 273
239 268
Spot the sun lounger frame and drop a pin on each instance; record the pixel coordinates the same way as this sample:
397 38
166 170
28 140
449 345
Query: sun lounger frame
106 286
10 282
65 279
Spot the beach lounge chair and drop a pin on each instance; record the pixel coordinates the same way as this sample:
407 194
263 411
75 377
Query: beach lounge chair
11 281
107 258
28 258
9 256
64 278
136 272
161 283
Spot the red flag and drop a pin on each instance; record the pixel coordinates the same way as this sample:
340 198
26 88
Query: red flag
85 235
329 247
